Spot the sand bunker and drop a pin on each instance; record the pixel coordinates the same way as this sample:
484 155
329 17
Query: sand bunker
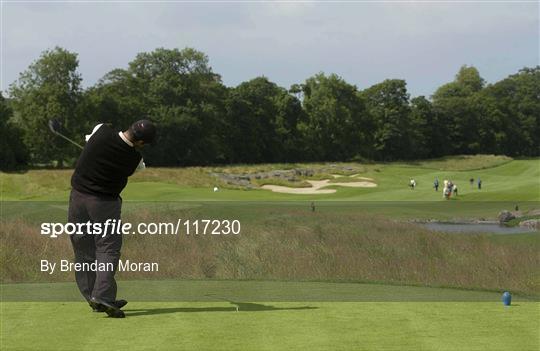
316 186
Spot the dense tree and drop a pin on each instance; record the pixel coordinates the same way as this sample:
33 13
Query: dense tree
511 113
288 120
178 90
262 121
49 88
336 126
424 134
202 122
13 153
117 98
454 104
469 80
388 106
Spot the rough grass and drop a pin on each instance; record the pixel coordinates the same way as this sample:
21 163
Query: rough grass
246 168
462 162
27 185
318 176
188 176
290 244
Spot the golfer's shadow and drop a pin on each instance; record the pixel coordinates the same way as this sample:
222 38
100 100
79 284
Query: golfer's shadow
237 306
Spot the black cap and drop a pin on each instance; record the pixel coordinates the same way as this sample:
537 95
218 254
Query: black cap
143 130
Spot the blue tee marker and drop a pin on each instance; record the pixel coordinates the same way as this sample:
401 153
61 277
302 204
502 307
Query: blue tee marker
506 298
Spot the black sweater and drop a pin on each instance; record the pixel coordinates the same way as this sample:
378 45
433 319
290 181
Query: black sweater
105 164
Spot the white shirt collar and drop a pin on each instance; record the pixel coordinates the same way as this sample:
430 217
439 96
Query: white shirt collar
125 139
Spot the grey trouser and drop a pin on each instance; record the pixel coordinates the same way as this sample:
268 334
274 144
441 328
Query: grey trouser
90 248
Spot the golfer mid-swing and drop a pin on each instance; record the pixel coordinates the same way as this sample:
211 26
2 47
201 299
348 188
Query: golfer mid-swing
107 160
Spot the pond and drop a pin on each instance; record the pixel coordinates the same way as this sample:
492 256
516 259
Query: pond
492 228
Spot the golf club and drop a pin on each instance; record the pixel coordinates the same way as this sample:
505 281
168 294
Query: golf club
55 125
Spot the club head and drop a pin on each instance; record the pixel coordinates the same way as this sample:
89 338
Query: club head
54 125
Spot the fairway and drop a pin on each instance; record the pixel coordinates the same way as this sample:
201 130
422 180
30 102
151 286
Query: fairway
503 180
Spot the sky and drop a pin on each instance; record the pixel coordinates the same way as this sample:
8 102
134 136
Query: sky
424 43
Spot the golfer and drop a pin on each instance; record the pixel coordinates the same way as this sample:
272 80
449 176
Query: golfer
107 160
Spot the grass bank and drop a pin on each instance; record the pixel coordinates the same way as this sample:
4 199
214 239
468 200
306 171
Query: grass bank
287 243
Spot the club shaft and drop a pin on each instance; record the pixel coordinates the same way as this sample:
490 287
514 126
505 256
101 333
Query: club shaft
68 139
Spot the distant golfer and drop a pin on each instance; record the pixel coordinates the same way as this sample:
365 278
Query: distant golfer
479 184
447 189
436 184
101 173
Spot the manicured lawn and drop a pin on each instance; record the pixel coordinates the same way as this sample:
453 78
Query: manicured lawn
203 315
273 326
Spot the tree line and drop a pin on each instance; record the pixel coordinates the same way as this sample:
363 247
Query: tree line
325 118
